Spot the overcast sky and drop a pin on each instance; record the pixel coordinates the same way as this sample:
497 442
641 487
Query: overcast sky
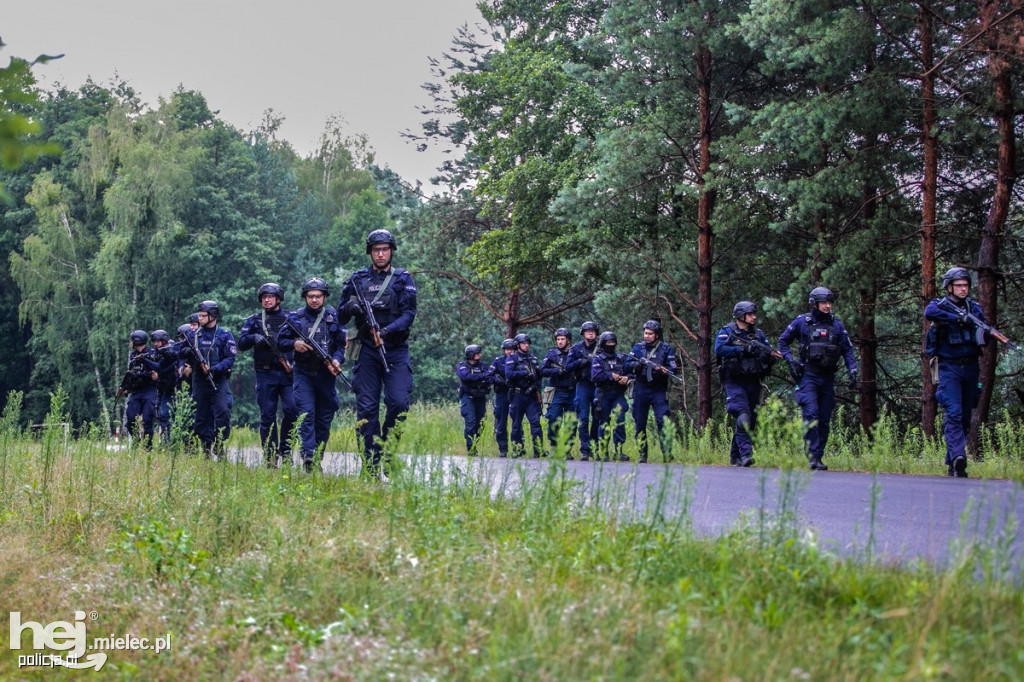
305 59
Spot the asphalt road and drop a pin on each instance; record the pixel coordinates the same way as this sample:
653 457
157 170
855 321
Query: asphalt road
890 517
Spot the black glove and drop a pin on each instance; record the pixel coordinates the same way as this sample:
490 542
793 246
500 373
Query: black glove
749 350
854 381
352 308
796 370
260 340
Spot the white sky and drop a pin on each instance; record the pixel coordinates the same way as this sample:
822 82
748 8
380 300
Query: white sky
305 59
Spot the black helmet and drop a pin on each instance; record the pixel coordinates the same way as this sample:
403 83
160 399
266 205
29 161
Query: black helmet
139 337
380 237
821 295
746 308
562 331
160 335
953 274
315 284
522 338
184 329
653 325
605 338
588 326
473 349
270 288
508 344
194 318
210 308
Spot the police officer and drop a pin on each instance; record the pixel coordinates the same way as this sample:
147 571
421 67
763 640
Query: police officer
501 398
181 351
651 361
823 342
140 382
522 372
166 380
608 372
956 341
475 382
561 383
581 357
314 378
273 373
391 294
210 370
744 360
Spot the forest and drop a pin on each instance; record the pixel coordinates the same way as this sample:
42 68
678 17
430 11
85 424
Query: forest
610 160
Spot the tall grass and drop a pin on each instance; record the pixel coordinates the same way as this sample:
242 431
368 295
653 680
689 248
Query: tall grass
262 574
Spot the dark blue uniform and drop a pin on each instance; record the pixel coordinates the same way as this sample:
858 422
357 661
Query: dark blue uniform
501 404
562 381
475 378
741 368
581 357
274 385
142 393
213 406
609 398
522 372
957 344
392 295
166 385
823 342
650 390
313 385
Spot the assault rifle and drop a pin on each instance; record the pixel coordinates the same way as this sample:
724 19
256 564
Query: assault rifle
324 356
966 314
371 322
659 368
763 347
281 359
204 367
135 371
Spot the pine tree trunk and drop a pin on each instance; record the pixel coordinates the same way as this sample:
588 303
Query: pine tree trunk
929 187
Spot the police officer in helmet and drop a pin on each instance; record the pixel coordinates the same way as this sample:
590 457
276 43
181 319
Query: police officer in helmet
744 359
561 384
955 339
581 356
314 380
501 396
475 382
522 372
140 382
650 362
383 363
273 373
211 371
823 342
608 372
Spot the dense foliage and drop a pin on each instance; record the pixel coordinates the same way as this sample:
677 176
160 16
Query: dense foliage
612 160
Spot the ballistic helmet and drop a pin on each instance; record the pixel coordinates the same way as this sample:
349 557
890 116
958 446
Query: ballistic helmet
653 325
139 338
606 338
473 349
184 329
508 344
588 326
315 284
820 295
270 288
160 335
522 338
562 331
952 275
381 237
194 318
210 308
745 308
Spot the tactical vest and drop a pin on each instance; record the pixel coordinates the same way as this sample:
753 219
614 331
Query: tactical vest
476 388
735 366
526 383
611 364
822 349
384 302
